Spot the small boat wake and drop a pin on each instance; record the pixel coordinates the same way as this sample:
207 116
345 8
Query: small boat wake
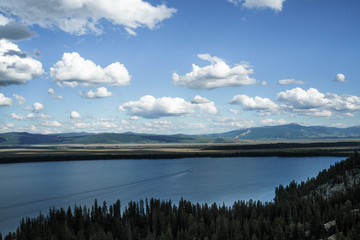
104 189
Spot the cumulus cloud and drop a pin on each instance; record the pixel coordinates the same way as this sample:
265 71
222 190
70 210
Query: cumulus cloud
303 99
37 107
29 116
52 94
86 16
205 104
15 66
217 74
20 99
75 115
273 4
339 77
264 106
311 102
74 70
101 92
343 102
5 101
151 108
290 81
17 116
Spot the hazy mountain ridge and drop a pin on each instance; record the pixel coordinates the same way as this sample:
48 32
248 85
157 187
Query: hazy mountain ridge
280 132
293 132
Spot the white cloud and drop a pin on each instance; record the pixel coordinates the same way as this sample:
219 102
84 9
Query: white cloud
52 94
81 125
303 99
20 99
17 117
290 81
51 91
4 20
103 125
75 115
29 116
5 101
231 122
107 119
217 74
84 16
6 127
41 115
311 102
315 112
343 103
51 124
272 122
159 124
15 66
339 77
37 107
93 126
101 92
273 4
74 70
233 111
204 104
151 108
264 106
349 114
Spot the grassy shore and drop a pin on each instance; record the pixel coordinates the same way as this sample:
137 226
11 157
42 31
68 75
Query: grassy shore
40 153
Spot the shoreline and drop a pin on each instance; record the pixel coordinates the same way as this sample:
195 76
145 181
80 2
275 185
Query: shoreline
52 153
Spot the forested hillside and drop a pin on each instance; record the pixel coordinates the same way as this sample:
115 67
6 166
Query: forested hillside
325 206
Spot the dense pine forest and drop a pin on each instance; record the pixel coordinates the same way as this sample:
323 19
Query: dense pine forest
322 207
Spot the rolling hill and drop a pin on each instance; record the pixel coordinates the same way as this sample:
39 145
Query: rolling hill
281 132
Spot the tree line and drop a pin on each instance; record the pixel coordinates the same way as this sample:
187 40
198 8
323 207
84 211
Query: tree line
299 211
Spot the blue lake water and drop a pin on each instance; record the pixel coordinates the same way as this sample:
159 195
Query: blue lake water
28 188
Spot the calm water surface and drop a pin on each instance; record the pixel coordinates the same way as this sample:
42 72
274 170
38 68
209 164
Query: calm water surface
28 188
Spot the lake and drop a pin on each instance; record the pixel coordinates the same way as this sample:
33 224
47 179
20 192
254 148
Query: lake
28 188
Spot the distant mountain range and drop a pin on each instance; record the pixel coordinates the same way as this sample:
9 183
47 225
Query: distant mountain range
281 132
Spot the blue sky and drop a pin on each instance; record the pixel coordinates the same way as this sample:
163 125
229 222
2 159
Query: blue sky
177 66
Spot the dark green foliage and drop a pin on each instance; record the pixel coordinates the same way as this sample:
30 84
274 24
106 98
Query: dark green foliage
298 211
